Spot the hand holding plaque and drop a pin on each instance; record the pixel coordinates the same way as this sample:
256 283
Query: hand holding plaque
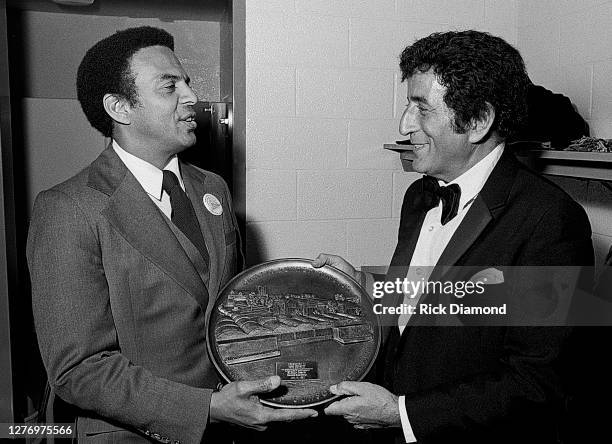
237 403
337 262
366 406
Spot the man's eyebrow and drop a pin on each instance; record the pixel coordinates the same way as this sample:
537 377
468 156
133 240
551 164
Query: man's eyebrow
418 99
174 78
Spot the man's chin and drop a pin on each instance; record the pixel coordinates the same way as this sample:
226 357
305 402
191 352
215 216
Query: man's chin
189 141
418 166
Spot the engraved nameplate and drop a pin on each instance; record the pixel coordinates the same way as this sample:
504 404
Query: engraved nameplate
297 371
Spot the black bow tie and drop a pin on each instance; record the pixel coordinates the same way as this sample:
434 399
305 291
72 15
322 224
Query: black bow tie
434 193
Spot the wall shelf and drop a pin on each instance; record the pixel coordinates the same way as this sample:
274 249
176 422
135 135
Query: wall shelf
405 152
584 165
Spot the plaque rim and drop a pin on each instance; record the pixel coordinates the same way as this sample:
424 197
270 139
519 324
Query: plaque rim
299 261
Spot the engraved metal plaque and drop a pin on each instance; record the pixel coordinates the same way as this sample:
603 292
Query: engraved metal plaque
313 327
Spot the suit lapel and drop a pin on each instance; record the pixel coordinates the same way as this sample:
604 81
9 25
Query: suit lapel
410 228
474 222
411 221
132 213
211 225
487 206
408 236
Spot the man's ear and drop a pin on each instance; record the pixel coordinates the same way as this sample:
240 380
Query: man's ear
117 108
479 128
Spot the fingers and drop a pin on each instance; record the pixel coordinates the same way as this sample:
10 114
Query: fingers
238 404
286 415
323 259
336 262
349 388
352 410
268 415
367 426
248 388
343 407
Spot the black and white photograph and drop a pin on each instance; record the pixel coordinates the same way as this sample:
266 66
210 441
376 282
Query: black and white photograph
305 221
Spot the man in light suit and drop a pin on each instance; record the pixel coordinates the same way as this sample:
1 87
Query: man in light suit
479 208
127 257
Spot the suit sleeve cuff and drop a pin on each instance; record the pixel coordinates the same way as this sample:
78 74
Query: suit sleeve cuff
406 427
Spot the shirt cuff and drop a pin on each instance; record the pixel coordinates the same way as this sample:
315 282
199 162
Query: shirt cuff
406 427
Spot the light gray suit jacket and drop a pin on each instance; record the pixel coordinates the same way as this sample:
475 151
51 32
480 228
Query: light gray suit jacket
118 304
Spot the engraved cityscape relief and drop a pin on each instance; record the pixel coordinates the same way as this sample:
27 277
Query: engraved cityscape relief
257 324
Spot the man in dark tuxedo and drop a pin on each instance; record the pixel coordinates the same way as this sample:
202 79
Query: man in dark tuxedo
127 257
479 208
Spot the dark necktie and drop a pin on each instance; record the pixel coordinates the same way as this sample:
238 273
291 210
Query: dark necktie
183 214
449 195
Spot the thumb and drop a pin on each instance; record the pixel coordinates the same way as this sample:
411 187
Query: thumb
347 388
320 260
259 386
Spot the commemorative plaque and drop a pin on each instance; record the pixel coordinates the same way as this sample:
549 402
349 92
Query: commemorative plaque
313 327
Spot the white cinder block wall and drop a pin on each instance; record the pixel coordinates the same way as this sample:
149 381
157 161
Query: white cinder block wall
323 95
567 45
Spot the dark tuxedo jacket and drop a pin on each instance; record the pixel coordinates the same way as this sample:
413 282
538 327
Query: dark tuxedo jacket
119 305
488 383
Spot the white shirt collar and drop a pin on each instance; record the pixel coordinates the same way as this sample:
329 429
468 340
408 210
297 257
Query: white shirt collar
472 181
149 176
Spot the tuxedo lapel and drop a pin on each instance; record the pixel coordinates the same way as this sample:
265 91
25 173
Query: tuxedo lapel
410 228
467 233
409 234
487 206
211 224
131 212
411 221
475 221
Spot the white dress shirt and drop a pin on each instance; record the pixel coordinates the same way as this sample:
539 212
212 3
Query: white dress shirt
433 239
151 177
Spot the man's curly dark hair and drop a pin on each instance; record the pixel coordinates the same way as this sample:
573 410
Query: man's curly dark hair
105 69
476 68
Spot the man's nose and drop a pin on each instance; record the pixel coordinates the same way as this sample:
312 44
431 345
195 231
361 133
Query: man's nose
408 121
188 95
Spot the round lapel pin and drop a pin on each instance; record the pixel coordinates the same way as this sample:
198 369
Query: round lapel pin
212 204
